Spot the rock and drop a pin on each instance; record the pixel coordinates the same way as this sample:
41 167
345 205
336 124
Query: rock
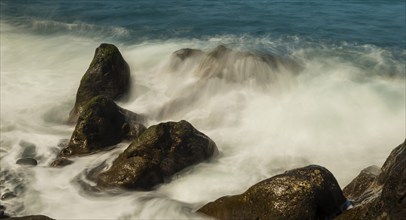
310 192
3 215
101 124
387 200
186 53
393 178
29 150
27 161
32 217
8 195
61 162
363 182
108 75
182 56
161 151
236 66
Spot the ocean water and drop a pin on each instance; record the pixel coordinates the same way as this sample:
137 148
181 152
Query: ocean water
339 103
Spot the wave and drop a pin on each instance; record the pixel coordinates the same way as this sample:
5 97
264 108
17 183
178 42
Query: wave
52 27
269 104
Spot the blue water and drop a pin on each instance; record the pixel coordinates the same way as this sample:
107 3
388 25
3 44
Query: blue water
380 23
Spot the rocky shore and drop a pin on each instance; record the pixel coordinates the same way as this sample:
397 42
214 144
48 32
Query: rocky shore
159 151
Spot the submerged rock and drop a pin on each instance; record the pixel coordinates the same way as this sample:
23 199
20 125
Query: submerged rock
186 53
386 196
310 192
32 217
241 67
108 75
27 161
101 124
180 57
158 153
8 195
28 149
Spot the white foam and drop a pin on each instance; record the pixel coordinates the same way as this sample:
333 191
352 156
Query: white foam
337 113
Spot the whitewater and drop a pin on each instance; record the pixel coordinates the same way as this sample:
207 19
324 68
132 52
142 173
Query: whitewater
343 108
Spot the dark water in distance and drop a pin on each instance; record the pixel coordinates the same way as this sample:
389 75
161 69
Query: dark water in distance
380 23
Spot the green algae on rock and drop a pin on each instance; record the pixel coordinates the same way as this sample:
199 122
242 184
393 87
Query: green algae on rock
310 192
108 75
161 151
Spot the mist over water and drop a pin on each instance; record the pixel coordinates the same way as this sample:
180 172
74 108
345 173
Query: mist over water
337 104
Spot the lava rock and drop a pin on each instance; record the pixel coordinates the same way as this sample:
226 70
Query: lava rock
310 192
101 124
27 161
161 151
389 198
33 217
108 75
362 183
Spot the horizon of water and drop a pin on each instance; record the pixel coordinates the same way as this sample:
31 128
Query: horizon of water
344 110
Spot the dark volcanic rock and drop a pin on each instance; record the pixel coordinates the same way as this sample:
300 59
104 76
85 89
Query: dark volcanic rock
32 217
108 75
362 183
387 200
101 124
27 161
158 153
311 192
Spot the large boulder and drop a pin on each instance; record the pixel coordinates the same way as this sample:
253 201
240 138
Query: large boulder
310 192
108 75
388 200
101 124
161 151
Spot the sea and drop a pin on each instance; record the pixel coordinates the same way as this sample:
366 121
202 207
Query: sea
343 107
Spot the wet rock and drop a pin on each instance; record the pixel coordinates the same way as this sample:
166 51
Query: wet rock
180 57
108 75
27 161
362 183
32 217
310 192
240 67
101 124
3 215
29 150
186 53
8 195
61 162
387 200
158 153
